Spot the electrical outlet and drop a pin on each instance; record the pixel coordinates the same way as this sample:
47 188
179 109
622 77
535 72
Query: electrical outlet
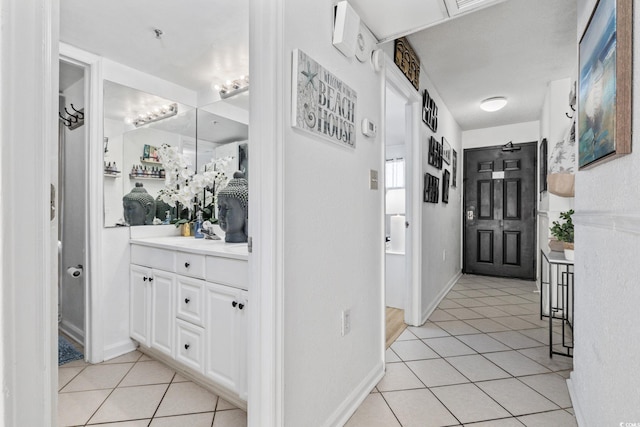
346 322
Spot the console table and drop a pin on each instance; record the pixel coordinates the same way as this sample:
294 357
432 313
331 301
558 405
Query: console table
556 288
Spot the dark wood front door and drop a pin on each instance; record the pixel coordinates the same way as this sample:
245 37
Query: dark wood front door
499 211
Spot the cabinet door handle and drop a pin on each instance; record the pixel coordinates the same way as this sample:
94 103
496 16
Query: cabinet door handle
234 304
186 346
186 300
240 306
151 279
145 278
186 265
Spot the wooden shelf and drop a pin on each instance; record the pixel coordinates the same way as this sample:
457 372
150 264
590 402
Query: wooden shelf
143 160
112 174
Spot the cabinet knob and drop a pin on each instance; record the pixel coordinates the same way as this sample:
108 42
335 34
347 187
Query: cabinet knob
186 300
234 304
186 346
240 306
186 265
144 279
151 279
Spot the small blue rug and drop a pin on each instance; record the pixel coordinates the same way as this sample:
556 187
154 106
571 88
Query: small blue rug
67 352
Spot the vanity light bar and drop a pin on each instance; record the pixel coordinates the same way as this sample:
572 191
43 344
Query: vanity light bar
157 114
231 88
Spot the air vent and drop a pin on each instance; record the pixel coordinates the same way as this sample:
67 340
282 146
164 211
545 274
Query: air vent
458 7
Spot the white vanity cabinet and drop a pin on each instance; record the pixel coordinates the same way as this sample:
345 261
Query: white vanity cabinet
151 308
191 306
226 309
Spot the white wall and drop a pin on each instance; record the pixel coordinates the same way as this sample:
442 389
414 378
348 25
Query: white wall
441 222
500 135
333 239
604 383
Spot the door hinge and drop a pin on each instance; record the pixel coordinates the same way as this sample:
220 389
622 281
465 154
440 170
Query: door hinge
250 244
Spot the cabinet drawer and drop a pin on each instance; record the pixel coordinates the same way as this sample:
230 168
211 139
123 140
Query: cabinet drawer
190 340
162 259
228 271
191 265
190 300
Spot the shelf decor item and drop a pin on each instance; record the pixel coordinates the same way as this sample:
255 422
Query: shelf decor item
562 230
605 84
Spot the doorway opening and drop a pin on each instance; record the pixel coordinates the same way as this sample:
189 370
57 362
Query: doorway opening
73 149
402 205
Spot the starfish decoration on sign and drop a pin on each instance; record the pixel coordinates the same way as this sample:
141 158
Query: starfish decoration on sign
310 76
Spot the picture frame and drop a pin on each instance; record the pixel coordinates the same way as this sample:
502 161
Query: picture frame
605 84
445 186
542 161
431 188
435 153
454 168
446 151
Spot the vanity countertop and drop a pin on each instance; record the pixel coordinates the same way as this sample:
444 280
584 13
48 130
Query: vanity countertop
200 246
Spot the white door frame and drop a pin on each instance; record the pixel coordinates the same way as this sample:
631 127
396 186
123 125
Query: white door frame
28 250
413 173
266 188
93 90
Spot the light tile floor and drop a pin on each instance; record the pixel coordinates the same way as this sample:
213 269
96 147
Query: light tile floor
482 359
136 391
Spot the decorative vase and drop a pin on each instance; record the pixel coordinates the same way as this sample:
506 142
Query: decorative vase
568 251
556 245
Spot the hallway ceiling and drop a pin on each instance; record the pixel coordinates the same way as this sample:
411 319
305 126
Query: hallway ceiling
513 49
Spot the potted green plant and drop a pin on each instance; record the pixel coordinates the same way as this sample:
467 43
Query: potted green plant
563 231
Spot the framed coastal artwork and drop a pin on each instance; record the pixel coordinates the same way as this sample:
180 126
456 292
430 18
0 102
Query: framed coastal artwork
322 104
605 87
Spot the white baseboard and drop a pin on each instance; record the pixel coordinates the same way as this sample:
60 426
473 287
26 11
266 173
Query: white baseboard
72 331
443 293
574 403
355 398
115 350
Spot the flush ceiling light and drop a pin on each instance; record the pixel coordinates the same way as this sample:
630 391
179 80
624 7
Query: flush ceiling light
493 104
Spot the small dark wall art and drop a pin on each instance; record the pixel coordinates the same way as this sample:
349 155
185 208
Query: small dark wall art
446 151
435 153
454 168
429 111
431 188
543 165
445 186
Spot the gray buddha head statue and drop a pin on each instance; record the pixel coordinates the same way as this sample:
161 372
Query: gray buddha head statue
233 209
139 206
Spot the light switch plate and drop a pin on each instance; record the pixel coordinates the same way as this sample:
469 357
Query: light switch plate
373 179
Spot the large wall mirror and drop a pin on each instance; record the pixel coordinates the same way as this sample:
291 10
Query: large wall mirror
131 160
